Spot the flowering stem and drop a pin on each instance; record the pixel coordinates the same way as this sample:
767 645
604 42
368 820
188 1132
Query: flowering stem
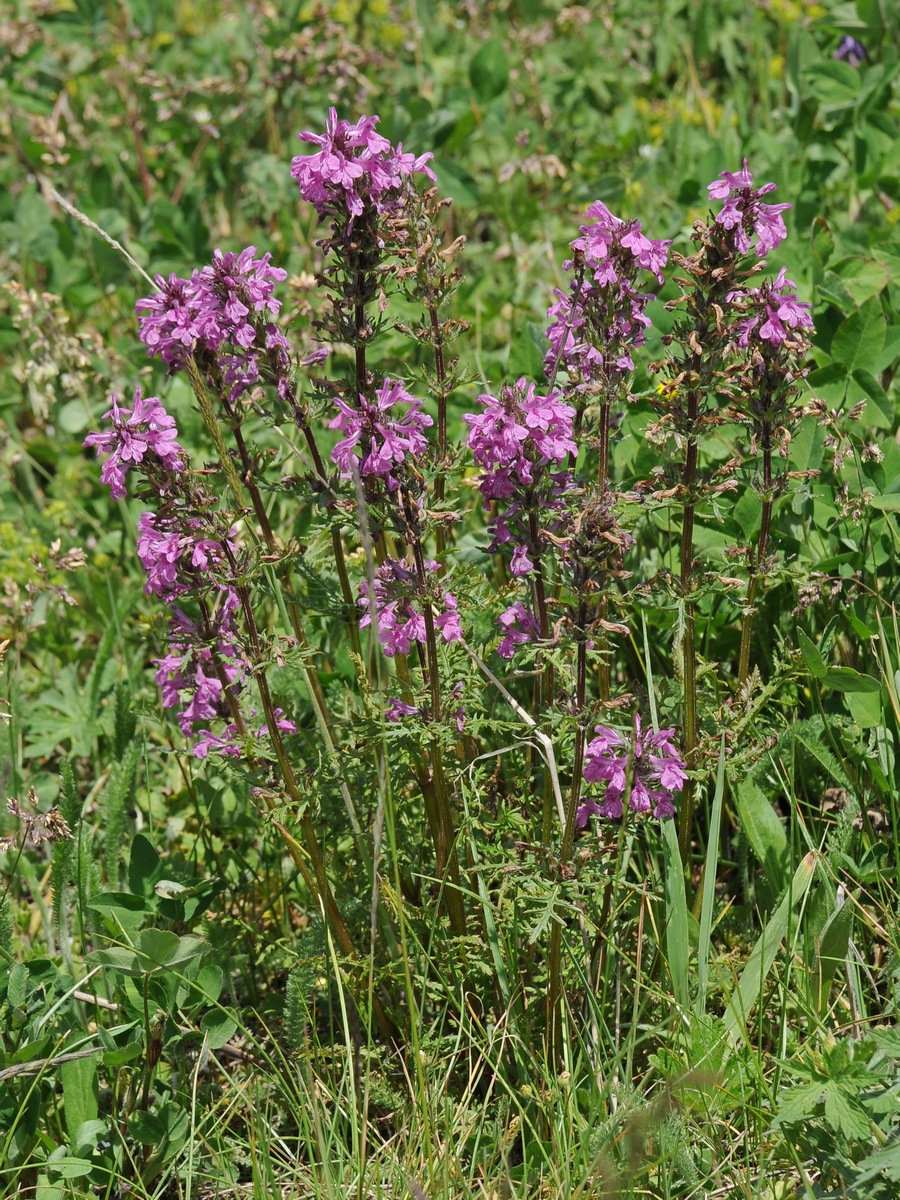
437 340
757 565
688 652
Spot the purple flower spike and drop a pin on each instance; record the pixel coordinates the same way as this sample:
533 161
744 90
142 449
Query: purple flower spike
226 309
354 165
595 327
778 311
142 435
385 438
649 760
744 212
515 439
398 614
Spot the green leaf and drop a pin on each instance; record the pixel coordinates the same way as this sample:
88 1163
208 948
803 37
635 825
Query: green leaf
709 882
800 1102
765 831
811 656
887 503
880 412
120 960
162 948
832 948
677 940
860 338
219 1028
844 1113
144 868
80 1092
845 679
489 71
749 987
842 679
822 240
865 708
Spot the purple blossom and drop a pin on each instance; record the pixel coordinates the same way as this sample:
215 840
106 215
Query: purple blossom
398 599
354 165
142 435
744 212
384 438
777 311
227 309
649 762
226 742
851 51
519 626
515 439
397 710
203 670
593 329
173 552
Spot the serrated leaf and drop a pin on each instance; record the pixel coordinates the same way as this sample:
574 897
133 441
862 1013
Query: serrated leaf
844 1113
800 1102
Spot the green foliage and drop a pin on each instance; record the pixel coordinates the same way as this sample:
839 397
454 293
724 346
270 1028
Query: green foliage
723 1029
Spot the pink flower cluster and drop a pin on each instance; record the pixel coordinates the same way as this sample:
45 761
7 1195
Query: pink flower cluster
593 330
744 213
144 434
519 625
515 439
398 612
385 438
644 769
353 166
187 677
226 309
779 310
173 551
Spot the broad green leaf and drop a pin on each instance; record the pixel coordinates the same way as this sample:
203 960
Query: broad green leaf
765 831
845 679
120 960
144 867
162 948
219 1028
860 338
822 241
489 71
80 1092
811 656
880 410
865 708
887 503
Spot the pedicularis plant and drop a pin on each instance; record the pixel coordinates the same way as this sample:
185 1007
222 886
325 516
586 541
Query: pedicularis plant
354 524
